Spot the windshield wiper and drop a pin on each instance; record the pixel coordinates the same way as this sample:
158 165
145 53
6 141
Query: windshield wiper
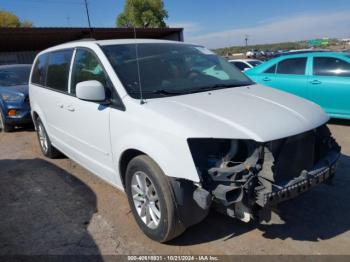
192 90
161 92
164 92
213 87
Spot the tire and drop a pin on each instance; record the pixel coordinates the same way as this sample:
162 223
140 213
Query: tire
3 126
163 225
44 141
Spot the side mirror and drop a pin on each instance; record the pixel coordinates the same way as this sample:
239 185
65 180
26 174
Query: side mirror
91 90
245 69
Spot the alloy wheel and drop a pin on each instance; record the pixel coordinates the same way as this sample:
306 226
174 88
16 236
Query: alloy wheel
146 199
43 138
1 124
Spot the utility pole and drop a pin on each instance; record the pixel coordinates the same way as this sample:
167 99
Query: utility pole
246 40
88 17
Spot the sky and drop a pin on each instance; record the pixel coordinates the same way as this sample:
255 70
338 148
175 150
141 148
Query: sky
213 23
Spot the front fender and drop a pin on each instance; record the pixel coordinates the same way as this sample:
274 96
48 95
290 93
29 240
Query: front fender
172 154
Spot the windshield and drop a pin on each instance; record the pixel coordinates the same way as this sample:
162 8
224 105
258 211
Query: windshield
14 76
171 69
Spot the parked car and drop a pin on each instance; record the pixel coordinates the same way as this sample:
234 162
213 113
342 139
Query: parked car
14 101
299 51
269 54
252 53
179 129
322 77
245 64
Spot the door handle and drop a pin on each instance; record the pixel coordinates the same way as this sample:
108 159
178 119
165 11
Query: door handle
266 79
315 82
70 108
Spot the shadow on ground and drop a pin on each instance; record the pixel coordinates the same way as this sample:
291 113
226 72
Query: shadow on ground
24 128
44 210
339 122
322 213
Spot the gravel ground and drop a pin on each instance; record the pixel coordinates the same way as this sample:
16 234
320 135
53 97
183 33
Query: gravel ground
57 207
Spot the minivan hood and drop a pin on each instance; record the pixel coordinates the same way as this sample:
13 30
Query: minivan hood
250 112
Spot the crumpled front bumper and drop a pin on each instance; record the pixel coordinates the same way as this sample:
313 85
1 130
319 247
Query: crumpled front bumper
323 171
246 184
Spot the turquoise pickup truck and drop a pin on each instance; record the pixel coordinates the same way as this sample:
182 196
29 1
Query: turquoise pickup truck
322 77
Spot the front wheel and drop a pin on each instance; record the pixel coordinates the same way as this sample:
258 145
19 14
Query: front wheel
151 199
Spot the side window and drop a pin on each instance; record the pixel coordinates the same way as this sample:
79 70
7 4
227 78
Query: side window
292 66
39 71
241 66
271 70
58 70
330 66
87 67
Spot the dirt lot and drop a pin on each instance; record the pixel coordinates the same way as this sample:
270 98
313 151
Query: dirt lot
57 207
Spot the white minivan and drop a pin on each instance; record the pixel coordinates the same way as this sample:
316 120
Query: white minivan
178 129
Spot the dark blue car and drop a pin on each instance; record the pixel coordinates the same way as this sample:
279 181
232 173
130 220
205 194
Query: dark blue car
14 99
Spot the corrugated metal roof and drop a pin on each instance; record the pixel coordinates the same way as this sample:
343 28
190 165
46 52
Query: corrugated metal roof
39 38
23 57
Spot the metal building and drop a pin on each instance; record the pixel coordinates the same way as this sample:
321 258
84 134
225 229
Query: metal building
20 45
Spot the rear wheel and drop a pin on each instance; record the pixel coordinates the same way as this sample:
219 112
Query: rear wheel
44 141
151 199
3 126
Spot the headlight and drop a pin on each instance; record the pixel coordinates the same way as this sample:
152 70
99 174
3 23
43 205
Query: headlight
8 97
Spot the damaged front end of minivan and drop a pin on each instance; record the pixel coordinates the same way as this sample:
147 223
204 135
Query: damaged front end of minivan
245 179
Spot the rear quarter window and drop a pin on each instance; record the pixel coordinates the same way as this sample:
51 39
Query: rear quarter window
58 66
39 70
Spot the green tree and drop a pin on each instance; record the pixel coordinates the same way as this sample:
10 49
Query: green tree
143 13
8 19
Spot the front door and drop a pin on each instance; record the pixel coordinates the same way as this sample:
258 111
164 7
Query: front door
288 75
88 122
